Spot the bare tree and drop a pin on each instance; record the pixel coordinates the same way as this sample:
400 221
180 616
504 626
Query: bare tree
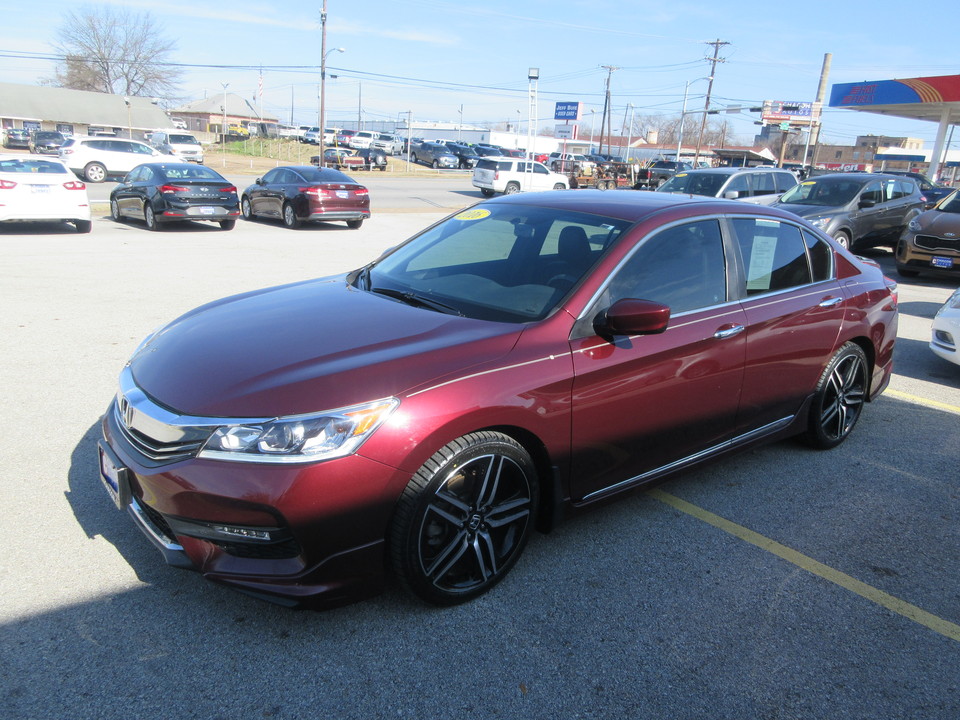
111 50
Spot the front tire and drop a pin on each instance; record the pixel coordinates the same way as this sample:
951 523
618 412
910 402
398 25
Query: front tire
290 218
464 518
245 209
511 189
559 186
839 398
842 238
904 271
115 210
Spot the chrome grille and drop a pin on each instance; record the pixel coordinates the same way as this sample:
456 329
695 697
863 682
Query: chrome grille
932 242
156 449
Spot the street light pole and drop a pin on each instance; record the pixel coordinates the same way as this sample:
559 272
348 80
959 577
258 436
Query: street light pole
321 119
223 127
533 76
683 112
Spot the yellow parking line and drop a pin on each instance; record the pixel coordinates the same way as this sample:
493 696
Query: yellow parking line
922 401
901 607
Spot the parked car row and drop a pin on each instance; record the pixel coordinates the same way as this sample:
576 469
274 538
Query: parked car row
353 139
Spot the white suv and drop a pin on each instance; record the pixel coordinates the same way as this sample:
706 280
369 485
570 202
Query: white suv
513 175
182 144
97 158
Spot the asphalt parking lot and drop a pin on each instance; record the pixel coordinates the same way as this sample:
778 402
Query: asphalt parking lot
778 584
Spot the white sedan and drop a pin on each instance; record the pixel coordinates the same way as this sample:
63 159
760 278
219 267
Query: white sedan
946 330
42 189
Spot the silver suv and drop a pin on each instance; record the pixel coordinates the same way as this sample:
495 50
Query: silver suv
757 185
97 158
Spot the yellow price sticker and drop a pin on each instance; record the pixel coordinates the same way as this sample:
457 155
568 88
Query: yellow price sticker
473 214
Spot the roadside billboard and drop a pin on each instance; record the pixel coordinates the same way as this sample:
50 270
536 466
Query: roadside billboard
786 111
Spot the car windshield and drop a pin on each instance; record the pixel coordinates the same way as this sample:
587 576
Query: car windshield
183 140
48 136
16 165
950 204
509 263
694 183
828 192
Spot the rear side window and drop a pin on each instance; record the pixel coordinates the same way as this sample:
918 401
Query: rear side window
774 255
821 257
763 183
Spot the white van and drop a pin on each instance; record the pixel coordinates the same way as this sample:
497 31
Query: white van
510 175
181 144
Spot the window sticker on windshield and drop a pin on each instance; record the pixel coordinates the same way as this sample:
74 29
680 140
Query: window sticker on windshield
761 258
809 182
474 214
681 174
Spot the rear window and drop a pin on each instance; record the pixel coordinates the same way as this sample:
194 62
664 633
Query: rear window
15 165
485 164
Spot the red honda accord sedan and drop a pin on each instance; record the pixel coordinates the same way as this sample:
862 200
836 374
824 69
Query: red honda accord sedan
525 358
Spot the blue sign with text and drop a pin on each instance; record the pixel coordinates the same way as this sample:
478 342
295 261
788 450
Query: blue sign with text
567 111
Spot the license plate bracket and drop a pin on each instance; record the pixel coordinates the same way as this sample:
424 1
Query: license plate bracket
114 476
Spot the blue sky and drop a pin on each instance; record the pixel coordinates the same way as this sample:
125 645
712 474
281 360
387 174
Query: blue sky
431 57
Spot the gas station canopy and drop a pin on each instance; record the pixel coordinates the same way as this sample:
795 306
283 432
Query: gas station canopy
934 99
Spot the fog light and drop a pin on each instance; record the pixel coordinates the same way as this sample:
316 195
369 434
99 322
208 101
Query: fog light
242 532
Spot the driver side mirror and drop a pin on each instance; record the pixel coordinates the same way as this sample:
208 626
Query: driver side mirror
866 203
633 317
731 194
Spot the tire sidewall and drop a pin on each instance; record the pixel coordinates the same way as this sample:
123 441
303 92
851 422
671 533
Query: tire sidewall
815 436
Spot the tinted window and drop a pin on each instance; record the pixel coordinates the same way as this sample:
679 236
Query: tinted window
696 183
682 267
785 181
821 257
271 176
774 255
763 183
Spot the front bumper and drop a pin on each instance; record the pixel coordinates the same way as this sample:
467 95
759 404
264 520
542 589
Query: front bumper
310 534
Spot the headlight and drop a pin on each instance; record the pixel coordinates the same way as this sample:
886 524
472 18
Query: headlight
299 438
820 223
954 301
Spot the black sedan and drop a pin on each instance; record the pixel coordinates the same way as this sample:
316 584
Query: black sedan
301 193
158 193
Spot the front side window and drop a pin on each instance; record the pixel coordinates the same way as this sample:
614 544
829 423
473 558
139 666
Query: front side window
682 267
774 255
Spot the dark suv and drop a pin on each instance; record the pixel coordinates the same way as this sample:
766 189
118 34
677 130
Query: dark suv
46 142
859 210
931 191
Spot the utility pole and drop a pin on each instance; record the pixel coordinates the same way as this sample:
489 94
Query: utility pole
818 109
717 44
607 109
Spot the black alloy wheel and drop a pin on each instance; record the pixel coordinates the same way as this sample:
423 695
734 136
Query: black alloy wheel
839 398
464 518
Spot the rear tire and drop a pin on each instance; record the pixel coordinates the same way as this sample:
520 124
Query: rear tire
228 224
487 192
354 224
839 398
83 226
290 218
150 218
95 173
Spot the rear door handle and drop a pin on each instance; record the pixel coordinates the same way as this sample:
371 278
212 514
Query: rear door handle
728 331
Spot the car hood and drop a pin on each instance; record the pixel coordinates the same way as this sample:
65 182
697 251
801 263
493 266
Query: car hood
939 223
310 346
810 210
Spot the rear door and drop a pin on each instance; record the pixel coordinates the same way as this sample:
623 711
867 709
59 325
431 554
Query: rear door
794 309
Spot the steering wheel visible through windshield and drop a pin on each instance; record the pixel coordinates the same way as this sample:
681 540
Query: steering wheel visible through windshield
509 263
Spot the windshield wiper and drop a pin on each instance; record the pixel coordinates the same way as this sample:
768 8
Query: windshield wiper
417 300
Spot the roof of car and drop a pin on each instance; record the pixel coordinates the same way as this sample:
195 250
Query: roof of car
633 206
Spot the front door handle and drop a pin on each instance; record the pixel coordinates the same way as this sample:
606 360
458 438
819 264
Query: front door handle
830 302
728 331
